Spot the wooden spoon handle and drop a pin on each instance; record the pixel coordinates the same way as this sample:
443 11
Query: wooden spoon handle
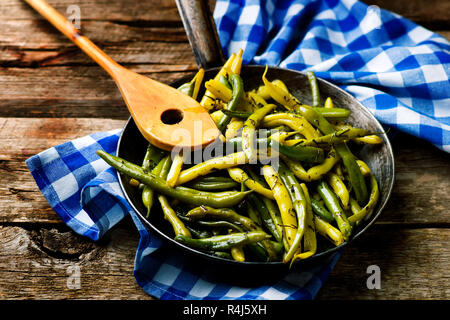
201 31
67 28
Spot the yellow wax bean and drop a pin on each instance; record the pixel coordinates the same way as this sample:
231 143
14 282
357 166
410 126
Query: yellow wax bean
372 139
208 98
198 82
339 188
365 170
284 202
233 128
175 169
217 115
239 175
328 231
237 63
256 100
328 103
367 211
219 90
206 167
293 121
313 173
279 94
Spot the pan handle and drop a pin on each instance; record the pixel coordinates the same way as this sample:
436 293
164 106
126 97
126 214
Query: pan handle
201 32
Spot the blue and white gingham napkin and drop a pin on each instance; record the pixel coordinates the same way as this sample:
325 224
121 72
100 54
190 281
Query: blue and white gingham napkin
397 69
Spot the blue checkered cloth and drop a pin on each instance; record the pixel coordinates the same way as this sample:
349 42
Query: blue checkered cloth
397 69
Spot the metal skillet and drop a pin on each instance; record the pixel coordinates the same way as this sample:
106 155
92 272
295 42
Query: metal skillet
206 47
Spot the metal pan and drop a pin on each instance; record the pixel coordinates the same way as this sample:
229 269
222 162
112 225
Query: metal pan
380 159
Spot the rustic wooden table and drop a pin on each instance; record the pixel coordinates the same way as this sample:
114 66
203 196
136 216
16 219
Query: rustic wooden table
50 93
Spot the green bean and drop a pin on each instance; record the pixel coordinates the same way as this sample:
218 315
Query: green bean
208 179
235 144
248 132
266 218
334 138
300 153
332 203
152 157
300 205
223 242
226 214
169 214
223 80
237 114
314 89
220 224
213 224
278 247
216 200
231 216
321 211
258 251
213 186
254 215
366 212
238 91
269 204
335 114
200 234
355 176
187 88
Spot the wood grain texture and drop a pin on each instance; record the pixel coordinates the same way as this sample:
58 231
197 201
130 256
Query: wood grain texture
148 12
165 11
413 265
84 91
35 263
432 14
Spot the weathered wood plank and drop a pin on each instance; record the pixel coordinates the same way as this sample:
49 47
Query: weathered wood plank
34 265
423 173
444 33
164 12
44 46
413 265
155 12
42 35
85 91
430 13
422 182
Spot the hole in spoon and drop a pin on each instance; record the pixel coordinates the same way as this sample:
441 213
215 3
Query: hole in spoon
172 116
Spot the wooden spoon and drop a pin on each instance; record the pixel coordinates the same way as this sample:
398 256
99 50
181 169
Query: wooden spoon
166 117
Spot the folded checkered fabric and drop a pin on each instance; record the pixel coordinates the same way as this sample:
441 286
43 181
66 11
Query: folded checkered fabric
85 192
397 69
